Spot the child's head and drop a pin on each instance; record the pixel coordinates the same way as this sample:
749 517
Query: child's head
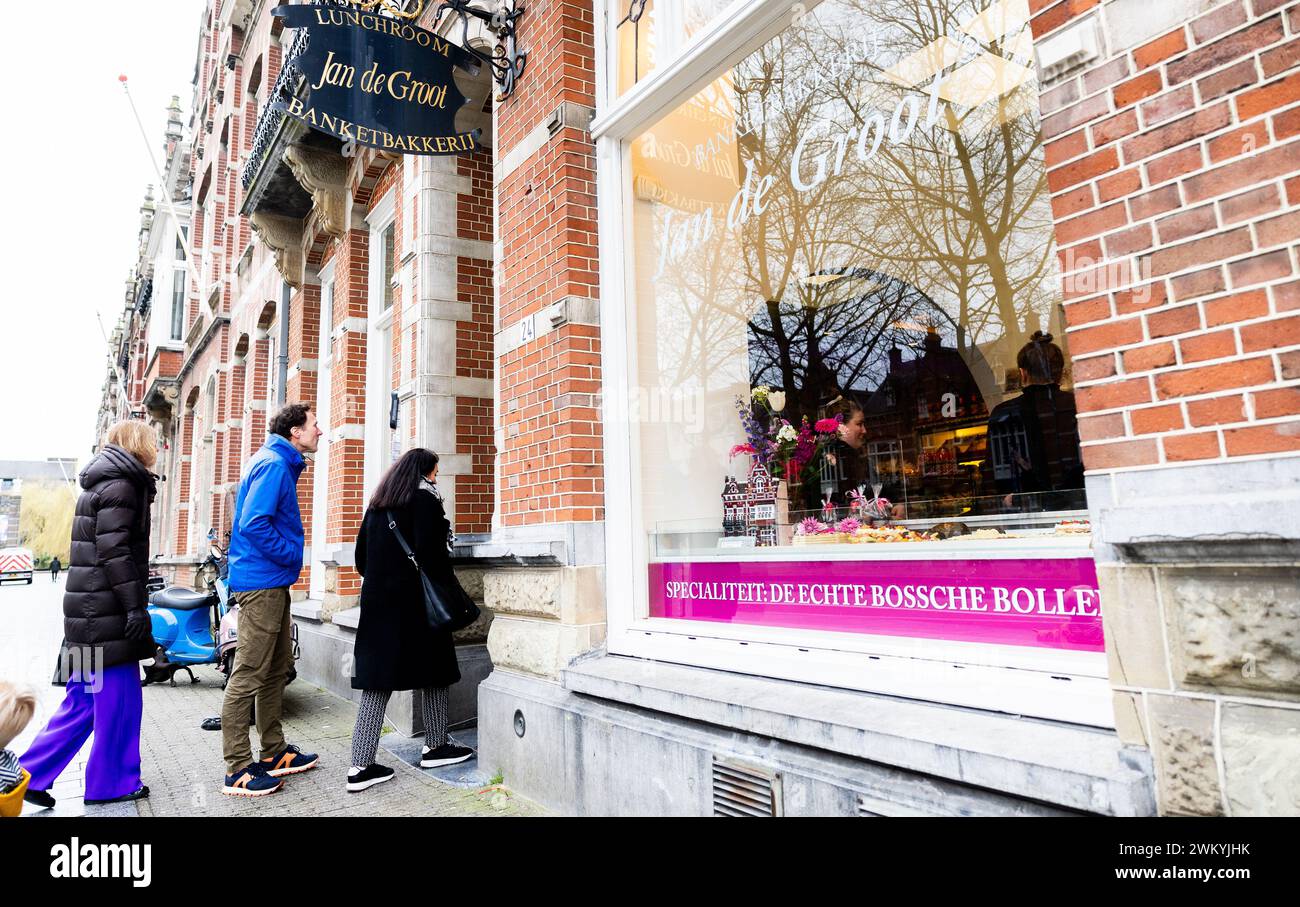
16 708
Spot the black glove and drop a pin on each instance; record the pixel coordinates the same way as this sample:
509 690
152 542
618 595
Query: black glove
138 626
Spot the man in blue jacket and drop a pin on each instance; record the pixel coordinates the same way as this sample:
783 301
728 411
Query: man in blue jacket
266 542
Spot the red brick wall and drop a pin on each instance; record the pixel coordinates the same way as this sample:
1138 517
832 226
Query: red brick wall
550 464
373 176
474 347
1175 174
165 364
233 117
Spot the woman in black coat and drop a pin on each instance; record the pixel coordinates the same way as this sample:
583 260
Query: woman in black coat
1034 451
395 648
105 624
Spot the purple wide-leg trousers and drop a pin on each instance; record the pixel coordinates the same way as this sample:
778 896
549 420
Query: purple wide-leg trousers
108 702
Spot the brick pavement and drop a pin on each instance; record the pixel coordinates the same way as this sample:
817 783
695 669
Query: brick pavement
182 763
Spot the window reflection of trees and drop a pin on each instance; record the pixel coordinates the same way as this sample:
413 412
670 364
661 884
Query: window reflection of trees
840 343
949 230
959 212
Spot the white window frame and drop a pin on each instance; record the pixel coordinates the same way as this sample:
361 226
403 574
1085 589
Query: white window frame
379 321
1069 686
320 547
175 331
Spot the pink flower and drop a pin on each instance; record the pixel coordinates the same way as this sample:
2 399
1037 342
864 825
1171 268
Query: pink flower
849 525
826 426
811 526
742 449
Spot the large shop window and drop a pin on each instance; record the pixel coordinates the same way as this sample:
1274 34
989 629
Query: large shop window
857 421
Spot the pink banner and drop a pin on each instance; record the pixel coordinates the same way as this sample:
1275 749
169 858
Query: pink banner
1044 603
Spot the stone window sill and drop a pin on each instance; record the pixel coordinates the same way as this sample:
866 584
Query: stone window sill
1068 765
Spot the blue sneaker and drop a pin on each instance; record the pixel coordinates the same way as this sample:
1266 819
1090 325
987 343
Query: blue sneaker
251 782
290 762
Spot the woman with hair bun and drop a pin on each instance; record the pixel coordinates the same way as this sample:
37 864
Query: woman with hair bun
1034 438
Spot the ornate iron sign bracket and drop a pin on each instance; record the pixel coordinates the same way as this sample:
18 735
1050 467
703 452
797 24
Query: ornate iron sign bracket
507 60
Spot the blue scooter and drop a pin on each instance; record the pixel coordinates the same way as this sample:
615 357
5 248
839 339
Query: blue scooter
193 628
197 628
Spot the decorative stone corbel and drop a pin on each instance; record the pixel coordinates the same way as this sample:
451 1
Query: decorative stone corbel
162 404
325 175
283 236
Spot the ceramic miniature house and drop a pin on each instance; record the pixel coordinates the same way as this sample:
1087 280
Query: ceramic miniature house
750 508
760 499
734 521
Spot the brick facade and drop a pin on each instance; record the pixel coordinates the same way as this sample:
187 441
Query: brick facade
235 337
1173 168
551 454
1174 162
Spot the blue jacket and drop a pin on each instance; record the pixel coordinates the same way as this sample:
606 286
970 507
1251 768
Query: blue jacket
266 533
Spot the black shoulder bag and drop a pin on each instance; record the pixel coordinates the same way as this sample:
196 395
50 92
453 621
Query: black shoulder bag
447 606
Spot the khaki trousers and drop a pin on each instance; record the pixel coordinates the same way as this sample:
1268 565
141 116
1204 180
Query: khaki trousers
263 659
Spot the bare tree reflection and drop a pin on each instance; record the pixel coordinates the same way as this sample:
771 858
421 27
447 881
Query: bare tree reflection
939 240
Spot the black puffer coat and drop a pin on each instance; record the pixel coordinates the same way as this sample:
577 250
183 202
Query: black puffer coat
110 556
395 649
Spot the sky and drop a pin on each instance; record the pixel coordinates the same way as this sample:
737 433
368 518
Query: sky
75 168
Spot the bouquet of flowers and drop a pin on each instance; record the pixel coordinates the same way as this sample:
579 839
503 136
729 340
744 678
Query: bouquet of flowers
778 444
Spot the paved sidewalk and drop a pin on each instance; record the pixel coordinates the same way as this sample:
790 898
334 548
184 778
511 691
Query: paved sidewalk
182 763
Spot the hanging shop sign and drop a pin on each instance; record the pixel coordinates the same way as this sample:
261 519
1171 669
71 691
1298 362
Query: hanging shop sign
378 81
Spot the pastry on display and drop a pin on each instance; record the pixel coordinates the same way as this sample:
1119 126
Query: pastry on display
870 534
949 530
1073 527
821 538
814 532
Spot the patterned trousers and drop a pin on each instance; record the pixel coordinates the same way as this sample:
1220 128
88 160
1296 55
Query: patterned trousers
370 721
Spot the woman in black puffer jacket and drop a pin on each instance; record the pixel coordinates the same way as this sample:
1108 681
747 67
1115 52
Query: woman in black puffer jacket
105 624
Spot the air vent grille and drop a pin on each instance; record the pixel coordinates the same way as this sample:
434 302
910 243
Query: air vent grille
896 802
869 807
745 790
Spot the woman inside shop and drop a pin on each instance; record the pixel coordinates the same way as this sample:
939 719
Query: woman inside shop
845 468
1034 438
395 647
